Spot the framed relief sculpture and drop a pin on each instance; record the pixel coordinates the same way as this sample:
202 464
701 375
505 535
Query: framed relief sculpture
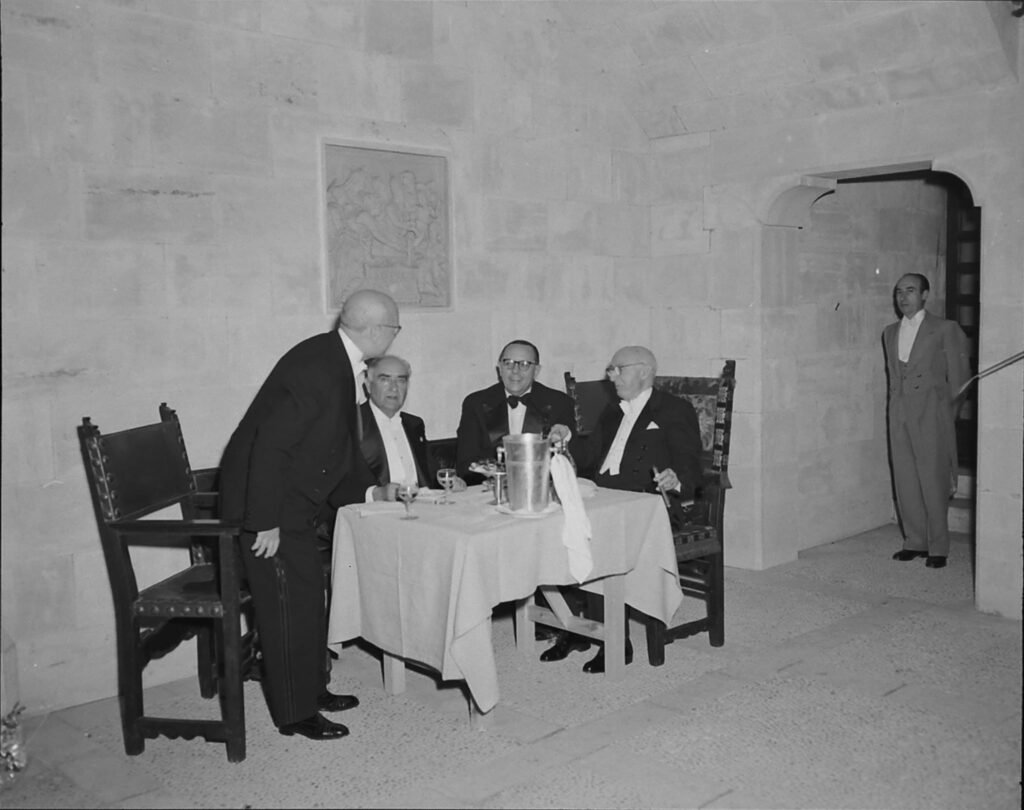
387 225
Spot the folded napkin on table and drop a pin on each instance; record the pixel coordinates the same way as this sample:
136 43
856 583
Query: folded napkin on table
380 508
576 531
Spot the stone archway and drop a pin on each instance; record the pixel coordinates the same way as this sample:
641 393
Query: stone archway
829 256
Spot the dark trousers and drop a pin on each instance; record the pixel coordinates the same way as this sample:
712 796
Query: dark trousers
291 618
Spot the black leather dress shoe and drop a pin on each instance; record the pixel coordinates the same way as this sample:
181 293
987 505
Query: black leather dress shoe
564 644
906 555
336 703
316 727
596 664
935 562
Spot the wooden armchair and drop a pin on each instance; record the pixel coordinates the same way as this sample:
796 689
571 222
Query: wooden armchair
133 474
699 542
440 453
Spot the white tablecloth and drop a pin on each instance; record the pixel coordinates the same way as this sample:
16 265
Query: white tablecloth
424 589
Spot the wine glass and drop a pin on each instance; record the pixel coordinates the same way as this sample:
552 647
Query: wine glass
446 477
407 494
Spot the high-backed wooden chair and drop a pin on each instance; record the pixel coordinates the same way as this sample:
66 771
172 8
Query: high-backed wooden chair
441 453
699 542
133 474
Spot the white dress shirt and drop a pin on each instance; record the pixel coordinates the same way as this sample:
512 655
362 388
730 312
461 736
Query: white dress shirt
908 333
516 415
630 412
401 464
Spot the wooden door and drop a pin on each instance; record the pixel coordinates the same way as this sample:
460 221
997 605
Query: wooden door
963 269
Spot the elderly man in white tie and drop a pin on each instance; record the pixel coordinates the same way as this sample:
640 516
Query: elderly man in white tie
647 442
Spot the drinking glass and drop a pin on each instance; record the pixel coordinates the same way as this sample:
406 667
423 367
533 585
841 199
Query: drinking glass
446 477
407 494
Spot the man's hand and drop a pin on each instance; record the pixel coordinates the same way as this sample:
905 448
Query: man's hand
386 492
266 543
559 433
667 479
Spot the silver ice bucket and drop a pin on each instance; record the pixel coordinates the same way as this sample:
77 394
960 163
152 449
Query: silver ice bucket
528 465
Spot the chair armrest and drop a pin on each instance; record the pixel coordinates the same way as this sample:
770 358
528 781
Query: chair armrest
184 528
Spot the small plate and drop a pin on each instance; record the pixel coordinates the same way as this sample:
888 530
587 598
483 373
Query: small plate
550 509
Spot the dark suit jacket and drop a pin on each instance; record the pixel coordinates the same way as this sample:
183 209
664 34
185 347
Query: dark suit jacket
674 442
296 442
484 422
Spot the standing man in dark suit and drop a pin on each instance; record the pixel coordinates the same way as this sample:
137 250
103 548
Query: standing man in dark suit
648 441
926 360
517 403
295 444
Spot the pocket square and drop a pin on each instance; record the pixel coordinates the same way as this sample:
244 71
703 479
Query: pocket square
653 426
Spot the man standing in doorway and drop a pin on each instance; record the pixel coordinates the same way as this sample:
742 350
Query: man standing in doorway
926 360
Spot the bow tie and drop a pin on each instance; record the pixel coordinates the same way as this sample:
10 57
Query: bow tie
513 400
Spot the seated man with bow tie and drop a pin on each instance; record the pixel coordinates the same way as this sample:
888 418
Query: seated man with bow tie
517 403
647 442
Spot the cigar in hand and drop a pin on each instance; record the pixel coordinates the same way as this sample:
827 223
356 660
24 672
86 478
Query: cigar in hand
664 495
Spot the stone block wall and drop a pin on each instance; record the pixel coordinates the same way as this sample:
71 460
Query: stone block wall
161 242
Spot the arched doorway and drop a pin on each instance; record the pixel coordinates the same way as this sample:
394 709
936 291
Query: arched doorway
833 246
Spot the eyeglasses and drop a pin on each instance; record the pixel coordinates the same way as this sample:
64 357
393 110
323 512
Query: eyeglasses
394 326
520 365
617 369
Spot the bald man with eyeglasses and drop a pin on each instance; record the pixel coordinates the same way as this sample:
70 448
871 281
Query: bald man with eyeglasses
516 403
648 441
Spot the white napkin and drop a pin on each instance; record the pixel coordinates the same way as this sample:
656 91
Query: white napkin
576 531
380 508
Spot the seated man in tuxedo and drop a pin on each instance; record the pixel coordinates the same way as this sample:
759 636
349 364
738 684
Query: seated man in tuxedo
392 443
517 403
647 442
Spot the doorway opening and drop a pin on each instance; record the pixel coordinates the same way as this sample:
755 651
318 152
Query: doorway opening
960 284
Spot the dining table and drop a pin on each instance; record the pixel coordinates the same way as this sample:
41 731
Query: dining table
423 590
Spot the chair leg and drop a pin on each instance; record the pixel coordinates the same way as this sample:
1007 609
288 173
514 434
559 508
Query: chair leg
206 664
716 601
232 696
129 666
655 641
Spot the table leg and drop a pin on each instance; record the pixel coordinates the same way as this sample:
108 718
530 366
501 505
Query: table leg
615 627
526 638
480 721
394 674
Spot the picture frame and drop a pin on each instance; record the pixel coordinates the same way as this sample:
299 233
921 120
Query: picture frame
386 218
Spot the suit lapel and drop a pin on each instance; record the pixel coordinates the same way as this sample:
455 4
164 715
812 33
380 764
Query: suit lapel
917 351
417 444
372 446
538 412
496 415
645 417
